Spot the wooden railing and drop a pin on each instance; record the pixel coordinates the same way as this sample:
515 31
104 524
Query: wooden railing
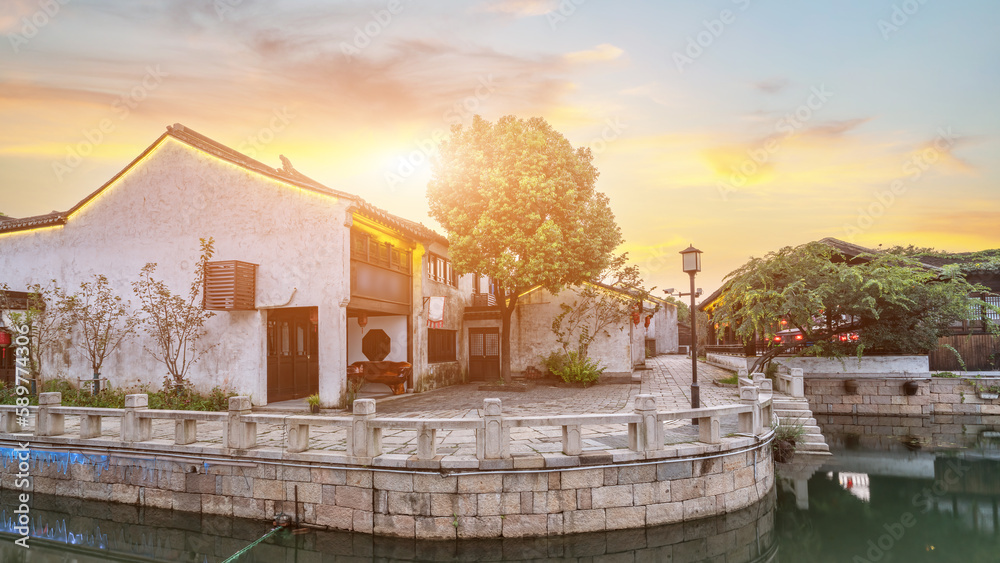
364 430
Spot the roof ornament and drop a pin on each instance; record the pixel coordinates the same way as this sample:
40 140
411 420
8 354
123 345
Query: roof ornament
286 166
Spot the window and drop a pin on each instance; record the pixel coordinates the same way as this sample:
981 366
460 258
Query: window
441 345
439 269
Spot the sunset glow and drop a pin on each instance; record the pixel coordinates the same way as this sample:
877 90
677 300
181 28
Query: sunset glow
737 126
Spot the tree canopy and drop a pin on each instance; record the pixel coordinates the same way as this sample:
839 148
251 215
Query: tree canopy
893 303
519 204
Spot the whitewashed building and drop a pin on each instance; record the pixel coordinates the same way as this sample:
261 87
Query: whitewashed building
332 277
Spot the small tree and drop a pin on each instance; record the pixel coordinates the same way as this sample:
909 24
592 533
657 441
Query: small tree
895 304
519 204
598 308
43 317
101 317
174 322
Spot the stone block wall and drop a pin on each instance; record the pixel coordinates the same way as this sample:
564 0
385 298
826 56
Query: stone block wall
407 503
886 397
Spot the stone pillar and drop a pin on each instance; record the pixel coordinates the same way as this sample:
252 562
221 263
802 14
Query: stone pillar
8 422
46 422
185 431
135 429
90 426
296 437
426 442
362 439
647 434
571 440
492 439
752 424
709 430
798 383
240 435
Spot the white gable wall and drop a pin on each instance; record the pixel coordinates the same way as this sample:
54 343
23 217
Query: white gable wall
156 212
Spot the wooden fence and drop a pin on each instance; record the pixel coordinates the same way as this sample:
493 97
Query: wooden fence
980 352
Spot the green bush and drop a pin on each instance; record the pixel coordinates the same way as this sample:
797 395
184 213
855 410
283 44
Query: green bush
216 400
555 361
577 368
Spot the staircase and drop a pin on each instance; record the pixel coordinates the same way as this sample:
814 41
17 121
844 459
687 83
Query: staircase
793 411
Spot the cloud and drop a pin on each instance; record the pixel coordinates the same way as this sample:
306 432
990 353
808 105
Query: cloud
12 12
771 85
521 8
603 52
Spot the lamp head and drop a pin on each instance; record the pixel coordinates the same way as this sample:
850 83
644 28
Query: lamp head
691 258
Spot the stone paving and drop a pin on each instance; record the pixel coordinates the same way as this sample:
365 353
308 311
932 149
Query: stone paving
668 379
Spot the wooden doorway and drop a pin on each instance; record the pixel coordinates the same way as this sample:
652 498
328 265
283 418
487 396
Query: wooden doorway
292 353
484 354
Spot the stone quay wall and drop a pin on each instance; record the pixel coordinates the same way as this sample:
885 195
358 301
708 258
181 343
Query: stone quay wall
887 396
423 496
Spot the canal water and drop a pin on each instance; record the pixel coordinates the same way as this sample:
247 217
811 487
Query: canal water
925 493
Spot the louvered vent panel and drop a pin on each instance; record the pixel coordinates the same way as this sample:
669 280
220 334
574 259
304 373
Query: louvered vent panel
230 286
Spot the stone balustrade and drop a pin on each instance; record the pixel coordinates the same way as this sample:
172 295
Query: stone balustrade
364 429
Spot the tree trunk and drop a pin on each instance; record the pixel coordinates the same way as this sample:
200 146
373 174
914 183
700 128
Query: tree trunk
506 310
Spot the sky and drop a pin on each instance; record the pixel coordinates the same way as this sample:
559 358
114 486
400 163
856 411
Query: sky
738 126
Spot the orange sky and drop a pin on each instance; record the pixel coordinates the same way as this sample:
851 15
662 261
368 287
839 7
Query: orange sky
736 126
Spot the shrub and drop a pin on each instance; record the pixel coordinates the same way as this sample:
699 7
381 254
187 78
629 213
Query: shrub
578 368
111 398
555 361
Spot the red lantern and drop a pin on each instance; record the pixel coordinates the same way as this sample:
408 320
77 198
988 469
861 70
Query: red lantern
4 338
635 317
648 319
362 319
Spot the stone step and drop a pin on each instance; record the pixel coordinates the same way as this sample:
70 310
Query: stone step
810 447
794 414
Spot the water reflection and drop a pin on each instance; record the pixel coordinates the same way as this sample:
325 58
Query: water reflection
70 530
888 497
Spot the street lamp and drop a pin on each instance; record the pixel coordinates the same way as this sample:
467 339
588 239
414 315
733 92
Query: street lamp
691 260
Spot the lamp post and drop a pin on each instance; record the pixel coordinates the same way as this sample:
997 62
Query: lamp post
691 263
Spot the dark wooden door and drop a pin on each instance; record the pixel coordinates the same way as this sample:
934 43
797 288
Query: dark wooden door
292 354
484 354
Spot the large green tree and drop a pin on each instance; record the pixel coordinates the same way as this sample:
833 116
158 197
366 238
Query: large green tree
519 204
894 304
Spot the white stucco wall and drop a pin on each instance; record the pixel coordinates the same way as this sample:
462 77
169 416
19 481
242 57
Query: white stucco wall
532 336
395 329
664 329
156 213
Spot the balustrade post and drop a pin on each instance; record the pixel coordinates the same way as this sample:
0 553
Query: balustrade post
426 442
751 422
492 439
571 439
296 437
709 430
647 434
46 422
135 429
240 435
362 439
90 426
798 383
185 431
8 421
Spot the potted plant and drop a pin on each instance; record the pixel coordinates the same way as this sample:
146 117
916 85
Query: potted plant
988 391
313 401
785 437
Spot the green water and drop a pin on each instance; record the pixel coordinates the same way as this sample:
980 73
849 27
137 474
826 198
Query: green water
892 501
